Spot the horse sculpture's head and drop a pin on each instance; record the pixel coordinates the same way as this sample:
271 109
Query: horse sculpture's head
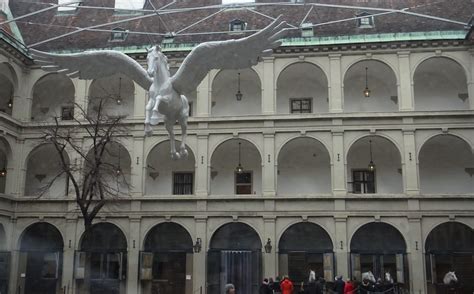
155 58
450 278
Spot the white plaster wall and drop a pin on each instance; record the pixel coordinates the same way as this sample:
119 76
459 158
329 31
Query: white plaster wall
442 163
225 159
160 166
117 184
6 93
109 88
44 161
47 102
303 163
386 157
302 80
382 83
438 81
224 88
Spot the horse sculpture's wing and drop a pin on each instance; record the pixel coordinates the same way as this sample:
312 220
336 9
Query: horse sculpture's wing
93 65
230 54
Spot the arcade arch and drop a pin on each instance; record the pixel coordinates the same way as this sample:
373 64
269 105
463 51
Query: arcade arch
224 89
381 81
302 88
53 96
437 89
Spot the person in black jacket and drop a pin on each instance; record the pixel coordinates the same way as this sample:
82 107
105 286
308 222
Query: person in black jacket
265 288
339 285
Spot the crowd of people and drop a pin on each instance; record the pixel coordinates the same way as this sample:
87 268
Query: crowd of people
317 285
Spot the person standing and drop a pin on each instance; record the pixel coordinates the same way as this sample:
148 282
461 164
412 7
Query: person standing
229 289
276 286
286 286
265 288
339 285
349 287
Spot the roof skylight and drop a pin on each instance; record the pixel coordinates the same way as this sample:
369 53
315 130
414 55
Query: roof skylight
237 1
129 4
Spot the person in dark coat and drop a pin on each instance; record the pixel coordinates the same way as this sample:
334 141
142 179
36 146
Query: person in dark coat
339 285
366 286
265 288
276 286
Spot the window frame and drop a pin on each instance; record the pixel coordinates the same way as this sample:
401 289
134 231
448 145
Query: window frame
364 183
118 31
243 184
174 173
65 110
365 20
301 99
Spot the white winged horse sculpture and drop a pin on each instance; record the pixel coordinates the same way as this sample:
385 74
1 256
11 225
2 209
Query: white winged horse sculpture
167 92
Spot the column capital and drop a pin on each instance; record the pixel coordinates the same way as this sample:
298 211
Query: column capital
404 53
335 56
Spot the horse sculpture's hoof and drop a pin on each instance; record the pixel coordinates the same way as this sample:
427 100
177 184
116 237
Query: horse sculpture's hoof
183 153
148 130
175 155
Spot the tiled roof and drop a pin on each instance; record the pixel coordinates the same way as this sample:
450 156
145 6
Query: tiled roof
50 24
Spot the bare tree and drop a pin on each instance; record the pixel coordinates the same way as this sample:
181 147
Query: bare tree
95 179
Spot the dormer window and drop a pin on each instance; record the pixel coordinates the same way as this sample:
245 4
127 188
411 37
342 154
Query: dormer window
68 9
118 35
366 20
128 6
307 30
168 38
237 25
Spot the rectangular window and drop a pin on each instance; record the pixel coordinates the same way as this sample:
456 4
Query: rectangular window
67 113
363 181
243 182
183 183
301 105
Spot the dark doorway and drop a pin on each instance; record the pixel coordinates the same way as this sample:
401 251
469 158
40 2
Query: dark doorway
306 246
235 256
380 248
169 250
103 259
450 247
40 264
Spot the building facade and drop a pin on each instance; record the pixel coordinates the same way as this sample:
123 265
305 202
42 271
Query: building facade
357 156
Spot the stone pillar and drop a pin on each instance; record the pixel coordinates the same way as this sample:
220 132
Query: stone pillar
133 256
203 98
405 84
140 101
268 86
69 255
199 258
81 97
138 168
17 175
470 84
14 259
415 257
338 165
202 165
410 166
341 248
335 84
268 173
270 259
22 105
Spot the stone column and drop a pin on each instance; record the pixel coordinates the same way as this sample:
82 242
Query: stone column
268 174
14 259
405 84
203 102
341 248
268 86
16 177
410 166
138 168
81 97
415 257
470 84
199 258
140 101
338 165
270 259
202 165
335 84
22 99
69 255
133 256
